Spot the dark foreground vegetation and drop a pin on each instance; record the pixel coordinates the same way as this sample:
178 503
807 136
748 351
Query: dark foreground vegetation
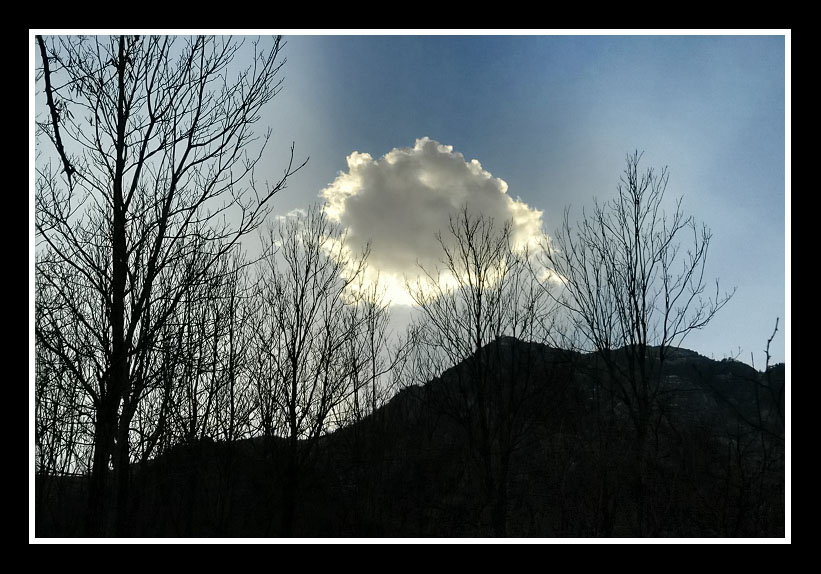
713 465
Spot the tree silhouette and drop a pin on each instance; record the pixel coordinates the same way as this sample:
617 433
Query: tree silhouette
307 315
484 292
631 293
156 151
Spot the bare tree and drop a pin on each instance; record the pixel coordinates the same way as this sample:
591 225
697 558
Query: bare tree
484 296
374 353
210 349
156 151
631 293
63 429
308 314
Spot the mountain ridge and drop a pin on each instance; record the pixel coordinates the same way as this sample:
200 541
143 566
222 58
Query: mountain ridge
414 467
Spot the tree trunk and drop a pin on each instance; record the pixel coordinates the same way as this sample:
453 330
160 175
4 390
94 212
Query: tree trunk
122 474
499 512
289 489
97 519
119 272
500 502
640 488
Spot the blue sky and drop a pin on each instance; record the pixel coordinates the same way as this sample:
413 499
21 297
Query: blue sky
554 117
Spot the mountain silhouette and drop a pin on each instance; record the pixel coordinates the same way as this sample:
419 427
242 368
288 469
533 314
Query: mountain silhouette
563 443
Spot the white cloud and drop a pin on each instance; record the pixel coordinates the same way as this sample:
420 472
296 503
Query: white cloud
399 201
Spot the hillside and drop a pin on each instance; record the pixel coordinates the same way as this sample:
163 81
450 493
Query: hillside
541 445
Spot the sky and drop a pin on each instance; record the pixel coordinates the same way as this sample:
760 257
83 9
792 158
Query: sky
548 120
400 130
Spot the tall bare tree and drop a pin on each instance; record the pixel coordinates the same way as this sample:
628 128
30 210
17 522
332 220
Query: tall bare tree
308 314
374 353
148 182
631 293
471 309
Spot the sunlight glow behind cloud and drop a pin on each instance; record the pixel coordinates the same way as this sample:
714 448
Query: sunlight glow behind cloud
400 201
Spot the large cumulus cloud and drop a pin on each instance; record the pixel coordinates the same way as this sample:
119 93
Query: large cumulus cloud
400 201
